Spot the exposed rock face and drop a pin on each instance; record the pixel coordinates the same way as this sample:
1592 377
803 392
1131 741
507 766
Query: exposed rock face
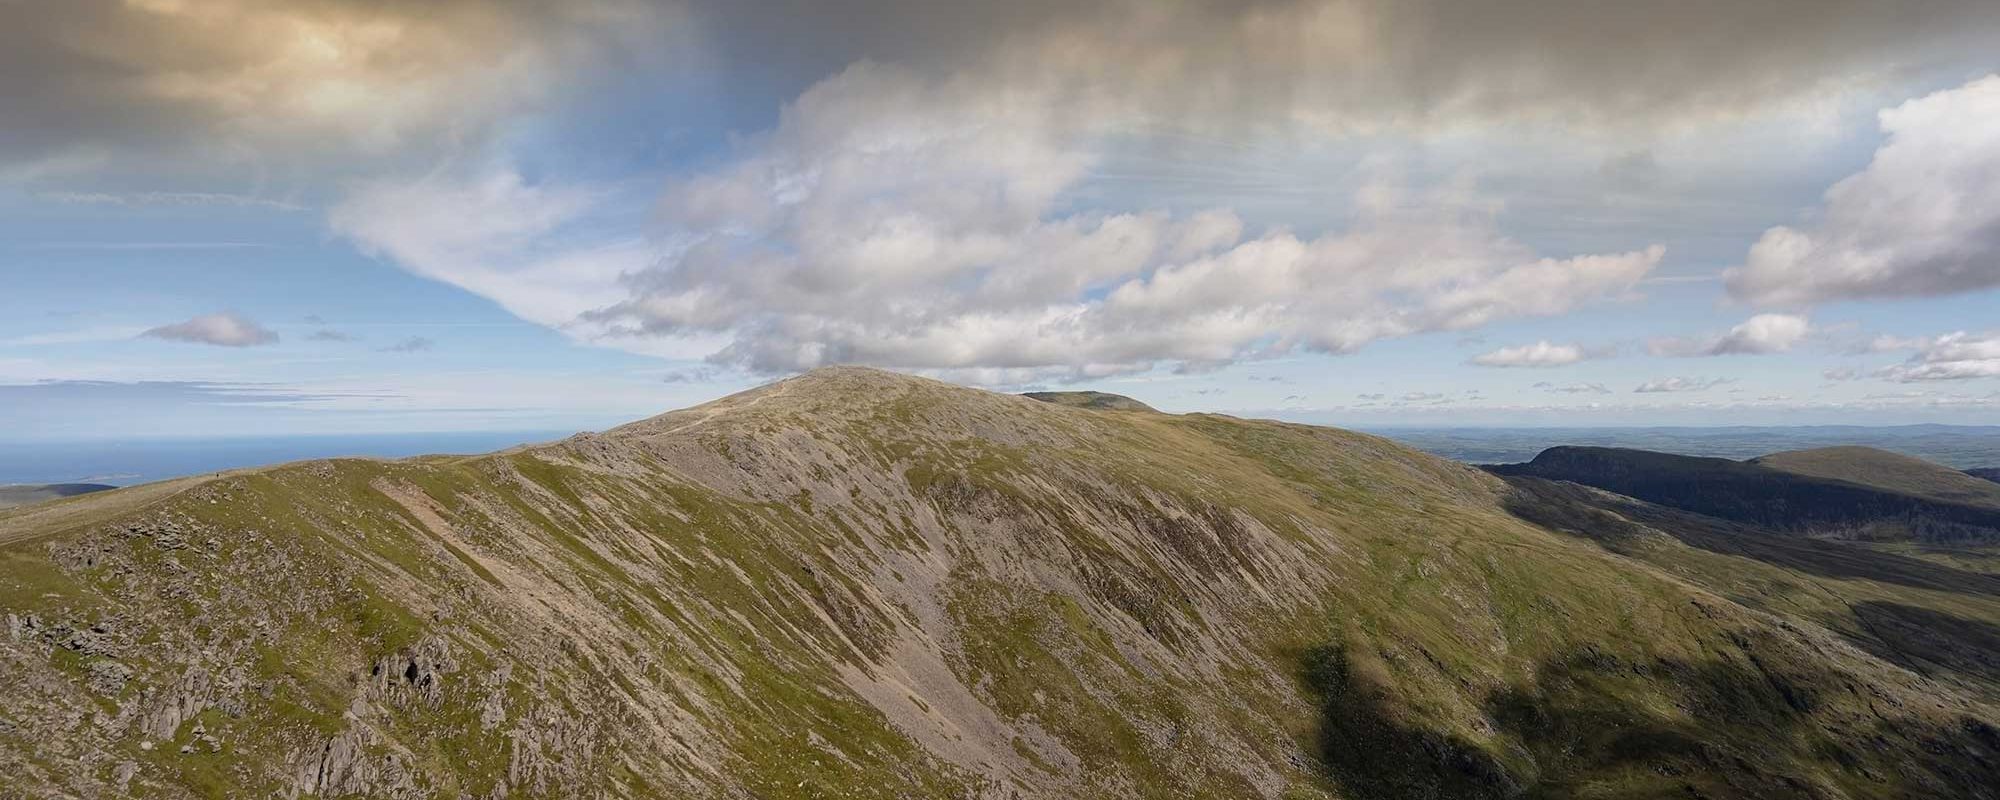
856 584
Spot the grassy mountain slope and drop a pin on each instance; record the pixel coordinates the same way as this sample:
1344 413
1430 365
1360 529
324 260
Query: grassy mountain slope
1755 494
1938 619
20 494
1882 469
856 584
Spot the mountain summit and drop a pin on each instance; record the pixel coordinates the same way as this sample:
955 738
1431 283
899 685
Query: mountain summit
855 583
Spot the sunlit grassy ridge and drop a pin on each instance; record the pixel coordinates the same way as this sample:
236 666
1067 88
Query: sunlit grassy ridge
1892 471
857 584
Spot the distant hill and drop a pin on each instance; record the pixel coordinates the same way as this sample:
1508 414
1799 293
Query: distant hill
1765 496
1986 473
1100 400
19 495
1882 469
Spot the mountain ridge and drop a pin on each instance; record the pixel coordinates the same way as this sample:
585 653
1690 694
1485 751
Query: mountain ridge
1871 466
1754 493
855 583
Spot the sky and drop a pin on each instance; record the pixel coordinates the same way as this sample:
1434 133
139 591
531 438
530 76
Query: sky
263 217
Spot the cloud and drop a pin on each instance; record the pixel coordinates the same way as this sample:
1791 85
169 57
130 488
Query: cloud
693 375
1630 172
329 335
223 329
1372 396
1659 385
143 199
1922 219
228 80
886 220
1951 357
414 344
1886 343
537 250
103 333
1368 64
1573 388
1840 374
1763 334
1539 354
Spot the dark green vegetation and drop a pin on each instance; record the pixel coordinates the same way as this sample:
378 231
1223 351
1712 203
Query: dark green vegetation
1784 499
857 584
16 495
1103 400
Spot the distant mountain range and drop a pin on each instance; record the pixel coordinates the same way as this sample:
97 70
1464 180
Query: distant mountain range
858 584
1846 492
1958 446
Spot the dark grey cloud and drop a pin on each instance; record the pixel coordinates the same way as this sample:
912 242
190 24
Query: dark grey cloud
191 90
1409 60
95 76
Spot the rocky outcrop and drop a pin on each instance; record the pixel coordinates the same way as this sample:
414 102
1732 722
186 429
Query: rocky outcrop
353 763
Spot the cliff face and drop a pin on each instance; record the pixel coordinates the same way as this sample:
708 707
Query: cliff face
857 584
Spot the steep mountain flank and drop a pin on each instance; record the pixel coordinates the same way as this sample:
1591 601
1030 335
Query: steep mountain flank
859 584
1928 614
1882 469
1756 494
23 494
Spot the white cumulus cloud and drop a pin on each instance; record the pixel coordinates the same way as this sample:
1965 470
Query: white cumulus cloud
1539 354
1953 356
1922 219
889 220
1763 334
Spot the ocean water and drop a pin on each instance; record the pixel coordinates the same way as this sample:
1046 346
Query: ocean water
124 463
